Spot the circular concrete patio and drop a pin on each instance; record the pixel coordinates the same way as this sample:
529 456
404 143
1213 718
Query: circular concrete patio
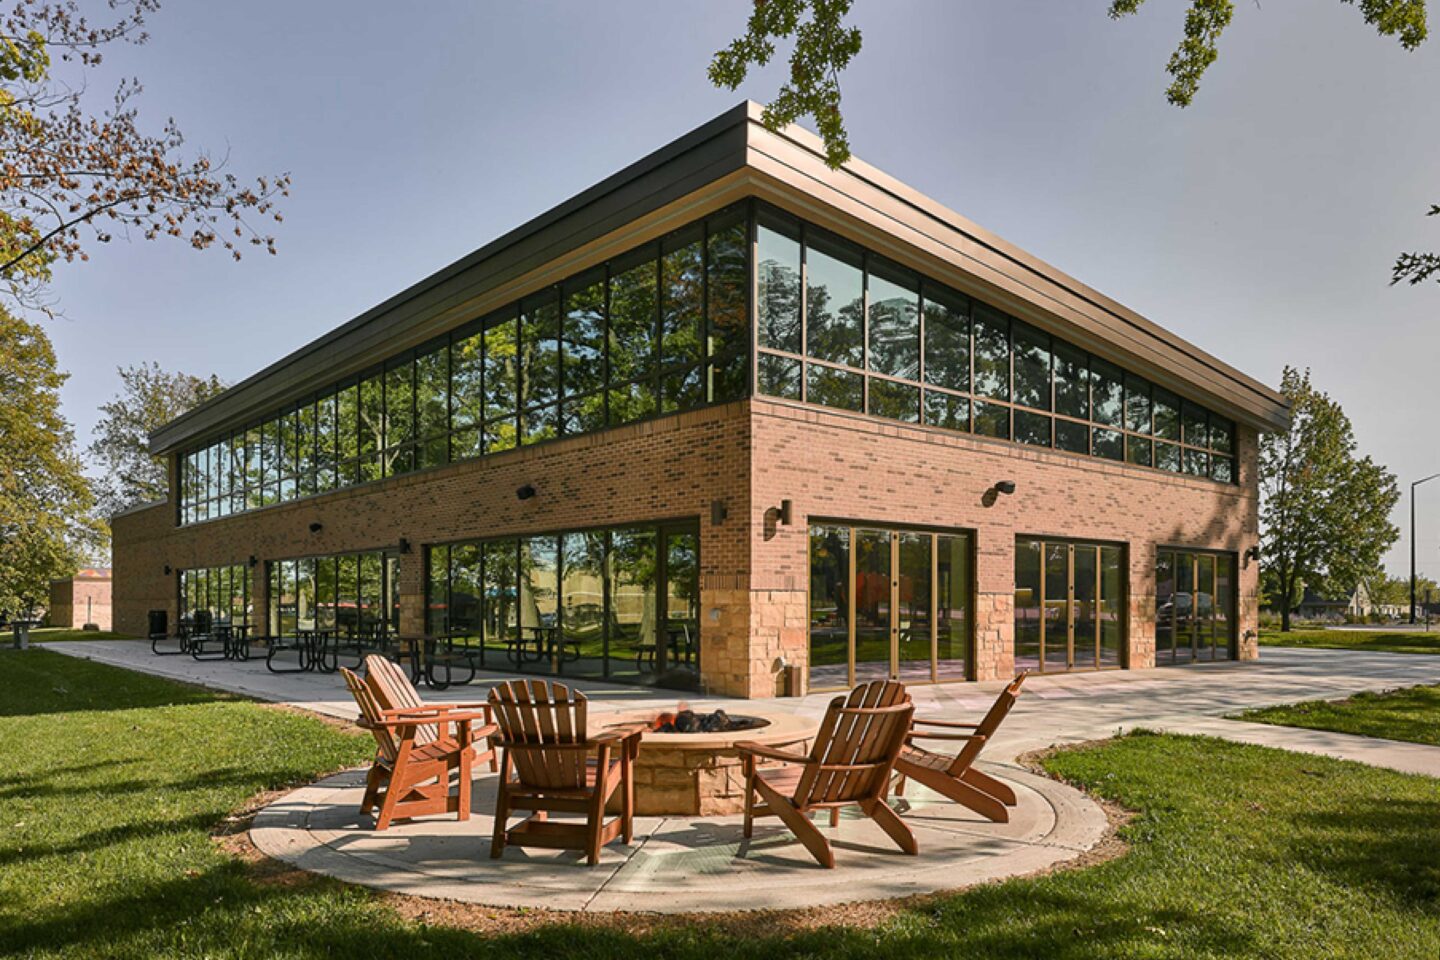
680 864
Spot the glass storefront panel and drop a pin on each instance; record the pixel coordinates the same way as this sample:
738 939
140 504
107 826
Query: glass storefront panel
1069 606
1194 607
894 603
829 605
915 593
953 589
582 601
872 605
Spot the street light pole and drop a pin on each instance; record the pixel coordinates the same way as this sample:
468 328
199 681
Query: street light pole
1412 540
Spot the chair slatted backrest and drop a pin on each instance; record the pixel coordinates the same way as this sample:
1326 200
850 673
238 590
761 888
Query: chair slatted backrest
543 727
997 713
370 713
857 743
394 691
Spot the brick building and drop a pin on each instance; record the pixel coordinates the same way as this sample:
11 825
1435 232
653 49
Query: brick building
727 412
81 599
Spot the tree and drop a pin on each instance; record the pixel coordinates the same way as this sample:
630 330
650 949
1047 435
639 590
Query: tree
45 500
1324 511
148 399
824 46
70 177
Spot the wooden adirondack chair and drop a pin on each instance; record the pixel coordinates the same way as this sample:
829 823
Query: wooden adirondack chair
549 765
955 776
408 778
394 691
850 762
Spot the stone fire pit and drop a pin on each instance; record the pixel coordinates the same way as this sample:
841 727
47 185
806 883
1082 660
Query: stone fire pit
700 774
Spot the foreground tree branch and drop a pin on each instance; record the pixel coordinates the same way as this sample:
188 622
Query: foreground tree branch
70 178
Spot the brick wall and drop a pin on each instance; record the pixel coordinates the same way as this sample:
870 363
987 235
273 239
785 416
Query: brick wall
754 570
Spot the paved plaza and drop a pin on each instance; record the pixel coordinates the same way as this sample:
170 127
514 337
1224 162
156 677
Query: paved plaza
688 864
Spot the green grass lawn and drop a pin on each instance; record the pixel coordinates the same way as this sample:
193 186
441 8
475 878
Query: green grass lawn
111 782
1379 641
53 634
1412 714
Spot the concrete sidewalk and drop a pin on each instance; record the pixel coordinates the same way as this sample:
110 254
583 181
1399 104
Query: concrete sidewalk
1065 708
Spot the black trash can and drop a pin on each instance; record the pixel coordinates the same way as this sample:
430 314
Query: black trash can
159 623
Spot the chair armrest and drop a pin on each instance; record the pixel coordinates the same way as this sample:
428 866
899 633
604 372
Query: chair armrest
944 723
769 753
917 735
621 732
408 718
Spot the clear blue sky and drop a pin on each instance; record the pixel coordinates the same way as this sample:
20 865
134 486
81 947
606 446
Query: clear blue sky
1260 223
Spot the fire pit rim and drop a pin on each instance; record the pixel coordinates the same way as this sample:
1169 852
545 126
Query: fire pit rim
780 727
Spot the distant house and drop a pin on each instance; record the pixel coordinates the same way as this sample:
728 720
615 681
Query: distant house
1357 606
81 599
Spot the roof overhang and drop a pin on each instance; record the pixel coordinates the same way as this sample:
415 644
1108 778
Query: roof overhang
727 159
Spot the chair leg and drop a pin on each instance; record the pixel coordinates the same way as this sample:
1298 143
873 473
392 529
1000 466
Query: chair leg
890 822
373 780
627 796
462 801
749 804
834 816
394 790
900 785
802 826
502 815
967 796
595 821
996 788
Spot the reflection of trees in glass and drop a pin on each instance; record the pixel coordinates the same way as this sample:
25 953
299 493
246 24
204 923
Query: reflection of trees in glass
895 326
682 304
778 293
992 355
583 337
582 590
305 458
834 388
540 586
399 419
500 591
540 350
633 307
432 406
835 308
632 574
371 414
728 281
1032 368
501 385
325 441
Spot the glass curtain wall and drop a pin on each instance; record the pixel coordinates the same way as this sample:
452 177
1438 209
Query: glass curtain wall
354 594
1195 597
889 603
839 326
661 329
211 596
1069 606
619 603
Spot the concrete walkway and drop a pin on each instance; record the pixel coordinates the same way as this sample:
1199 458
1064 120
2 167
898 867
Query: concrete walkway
686 864
1066 708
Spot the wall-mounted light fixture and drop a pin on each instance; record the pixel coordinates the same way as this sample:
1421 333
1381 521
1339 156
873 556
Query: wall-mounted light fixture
1253 553
1006 487
718 513
167 569
526 492
404 545
316 527
254 560
787 512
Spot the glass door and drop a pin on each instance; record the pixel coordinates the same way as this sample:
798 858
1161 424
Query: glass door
1068 606
1194 607
888 604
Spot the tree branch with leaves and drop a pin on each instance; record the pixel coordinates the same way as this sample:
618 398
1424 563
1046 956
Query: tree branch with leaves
823 46
70 178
